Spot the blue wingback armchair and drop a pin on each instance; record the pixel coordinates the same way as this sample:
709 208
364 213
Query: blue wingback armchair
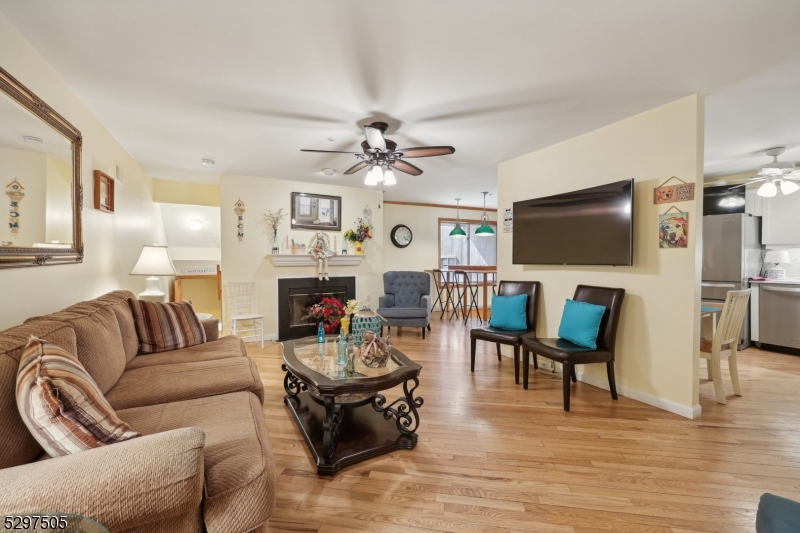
407 301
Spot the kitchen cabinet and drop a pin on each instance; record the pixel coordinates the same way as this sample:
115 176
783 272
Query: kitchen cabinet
780 224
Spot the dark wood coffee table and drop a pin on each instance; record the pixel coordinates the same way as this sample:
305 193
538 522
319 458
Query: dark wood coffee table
344 418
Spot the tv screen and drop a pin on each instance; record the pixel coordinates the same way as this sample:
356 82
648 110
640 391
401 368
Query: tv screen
587 227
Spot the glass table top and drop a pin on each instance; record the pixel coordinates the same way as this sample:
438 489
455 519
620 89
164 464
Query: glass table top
307 353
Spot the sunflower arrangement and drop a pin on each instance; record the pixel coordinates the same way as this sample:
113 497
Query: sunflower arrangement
362 232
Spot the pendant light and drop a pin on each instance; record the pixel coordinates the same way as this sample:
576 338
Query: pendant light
485 230
458 232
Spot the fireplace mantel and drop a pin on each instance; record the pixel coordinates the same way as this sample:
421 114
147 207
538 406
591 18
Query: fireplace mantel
285 260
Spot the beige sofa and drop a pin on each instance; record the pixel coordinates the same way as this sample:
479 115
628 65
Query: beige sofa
204 462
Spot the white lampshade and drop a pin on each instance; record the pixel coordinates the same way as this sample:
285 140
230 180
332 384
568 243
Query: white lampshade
388 177
374 175
154 261
777 256
768 190
788 187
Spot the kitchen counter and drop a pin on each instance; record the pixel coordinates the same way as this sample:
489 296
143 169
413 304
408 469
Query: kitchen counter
787 281
775 312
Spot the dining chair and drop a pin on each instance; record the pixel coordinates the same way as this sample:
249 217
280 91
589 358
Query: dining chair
569 354
506 337
242 305
467 290
726 342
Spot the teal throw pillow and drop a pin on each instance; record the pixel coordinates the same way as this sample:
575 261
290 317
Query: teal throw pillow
580 323
508 312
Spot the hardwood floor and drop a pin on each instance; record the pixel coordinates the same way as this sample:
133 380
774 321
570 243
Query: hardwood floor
493 457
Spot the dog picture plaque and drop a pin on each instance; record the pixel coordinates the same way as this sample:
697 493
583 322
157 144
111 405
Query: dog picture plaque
673 229
682 192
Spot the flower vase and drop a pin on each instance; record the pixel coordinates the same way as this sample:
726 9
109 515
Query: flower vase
276 246
330 329
360 247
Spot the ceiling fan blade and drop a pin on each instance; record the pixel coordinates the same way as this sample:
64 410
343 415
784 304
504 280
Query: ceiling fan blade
408 168
355 168
374 138
329 151
426 151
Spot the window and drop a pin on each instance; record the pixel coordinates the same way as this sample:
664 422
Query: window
477 251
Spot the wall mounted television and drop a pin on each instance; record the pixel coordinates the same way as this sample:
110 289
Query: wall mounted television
588 227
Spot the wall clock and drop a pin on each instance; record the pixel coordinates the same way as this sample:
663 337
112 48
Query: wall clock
401 236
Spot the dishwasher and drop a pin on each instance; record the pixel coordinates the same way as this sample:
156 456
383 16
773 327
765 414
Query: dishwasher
779 311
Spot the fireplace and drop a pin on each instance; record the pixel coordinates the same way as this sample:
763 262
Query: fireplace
297 295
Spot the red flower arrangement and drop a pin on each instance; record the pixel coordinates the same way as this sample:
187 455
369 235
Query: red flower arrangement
329 311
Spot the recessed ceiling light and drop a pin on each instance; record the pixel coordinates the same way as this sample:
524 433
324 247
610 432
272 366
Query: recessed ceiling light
208 162
329 171
195 225
331 139
32 139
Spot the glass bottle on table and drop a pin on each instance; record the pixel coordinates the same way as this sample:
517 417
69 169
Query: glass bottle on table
341 350
321 342
351 355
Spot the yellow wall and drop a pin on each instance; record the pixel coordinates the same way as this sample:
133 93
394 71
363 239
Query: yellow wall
657 354
250 259
183 192
113 242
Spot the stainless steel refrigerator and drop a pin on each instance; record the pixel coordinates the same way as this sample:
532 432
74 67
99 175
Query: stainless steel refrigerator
731 256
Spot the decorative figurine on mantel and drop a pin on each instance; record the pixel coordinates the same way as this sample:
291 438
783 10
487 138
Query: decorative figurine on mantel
320 249
273 222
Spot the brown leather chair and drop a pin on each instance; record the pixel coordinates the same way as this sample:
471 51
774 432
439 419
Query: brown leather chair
569 354
510 338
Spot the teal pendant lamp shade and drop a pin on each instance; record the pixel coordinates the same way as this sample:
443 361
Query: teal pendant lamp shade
485 230
458 232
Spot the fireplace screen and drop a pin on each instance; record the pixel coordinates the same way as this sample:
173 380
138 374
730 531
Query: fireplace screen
300 306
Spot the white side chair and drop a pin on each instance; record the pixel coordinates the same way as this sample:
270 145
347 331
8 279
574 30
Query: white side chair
242 305
725 342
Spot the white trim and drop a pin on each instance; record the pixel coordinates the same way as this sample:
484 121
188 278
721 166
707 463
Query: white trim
667 405
284 260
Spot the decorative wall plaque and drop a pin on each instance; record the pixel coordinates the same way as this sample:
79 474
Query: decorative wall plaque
238 208
679 192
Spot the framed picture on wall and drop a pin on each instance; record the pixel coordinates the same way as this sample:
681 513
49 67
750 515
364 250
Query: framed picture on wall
316 211
103 192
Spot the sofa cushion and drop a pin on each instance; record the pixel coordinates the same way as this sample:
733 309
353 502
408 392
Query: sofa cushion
156 384
403 312
228 346
162 327
17 445
239 466
61 404
99 341
127 328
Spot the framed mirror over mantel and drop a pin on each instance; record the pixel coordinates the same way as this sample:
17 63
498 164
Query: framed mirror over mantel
40 176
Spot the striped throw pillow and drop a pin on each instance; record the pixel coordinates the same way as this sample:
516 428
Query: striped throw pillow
62 405
162 327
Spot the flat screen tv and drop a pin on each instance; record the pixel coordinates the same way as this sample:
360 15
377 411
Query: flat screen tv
587 227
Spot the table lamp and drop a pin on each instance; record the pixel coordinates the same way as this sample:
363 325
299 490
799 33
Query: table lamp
154 261
777 257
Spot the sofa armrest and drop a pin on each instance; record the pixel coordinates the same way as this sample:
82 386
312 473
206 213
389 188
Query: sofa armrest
122 485
211 325
387 300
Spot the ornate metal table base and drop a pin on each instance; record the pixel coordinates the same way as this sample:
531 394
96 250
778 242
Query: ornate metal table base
340 435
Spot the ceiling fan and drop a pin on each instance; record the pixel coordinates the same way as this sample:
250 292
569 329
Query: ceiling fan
774 174
382 156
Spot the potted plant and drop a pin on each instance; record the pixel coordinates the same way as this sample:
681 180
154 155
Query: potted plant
329 311
358 236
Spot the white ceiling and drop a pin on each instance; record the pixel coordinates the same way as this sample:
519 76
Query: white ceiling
250 82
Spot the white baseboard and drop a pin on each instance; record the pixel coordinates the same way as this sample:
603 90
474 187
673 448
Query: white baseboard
667 405
602 383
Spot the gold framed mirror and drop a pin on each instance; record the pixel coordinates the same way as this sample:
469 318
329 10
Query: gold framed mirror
40 176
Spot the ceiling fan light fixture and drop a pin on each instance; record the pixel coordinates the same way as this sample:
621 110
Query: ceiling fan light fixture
768 189
388 177
374 176
788 187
